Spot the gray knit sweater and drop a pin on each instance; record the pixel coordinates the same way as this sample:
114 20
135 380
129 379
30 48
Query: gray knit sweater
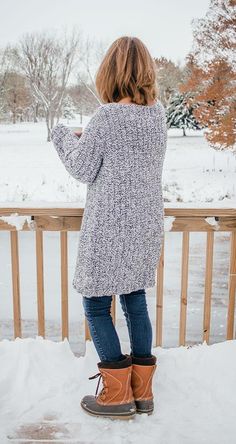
120 157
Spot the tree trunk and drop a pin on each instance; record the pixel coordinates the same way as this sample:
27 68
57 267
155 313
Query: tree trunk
36 110
184 133
48 127
51 120
50 123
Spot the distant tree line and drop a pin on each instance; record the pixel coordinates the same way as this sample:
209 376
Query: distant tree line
47 76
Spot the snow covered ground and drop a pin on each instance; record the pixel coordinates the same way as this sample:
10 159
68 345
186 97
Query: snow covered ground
42 383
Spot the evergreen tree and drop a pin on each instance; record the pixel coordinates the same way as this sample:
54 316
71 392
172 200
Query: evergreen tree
68 110
180 113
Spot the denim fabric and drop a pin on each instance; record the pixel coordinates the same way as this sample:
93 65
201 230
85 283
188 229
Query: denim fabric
103 332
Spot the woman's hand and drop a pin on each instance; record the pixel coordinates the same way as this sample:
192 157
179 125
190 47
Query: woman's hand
78 133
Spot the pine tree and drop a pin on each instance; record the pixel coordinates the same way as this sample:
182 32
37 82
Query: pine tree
68 110
180 113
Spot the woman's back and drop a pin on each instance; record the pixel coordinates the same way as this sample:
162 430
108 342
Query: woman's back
134 138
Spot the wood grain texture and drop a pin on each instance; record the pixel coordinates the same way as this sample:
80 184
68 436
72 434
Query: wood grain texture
232 288
64 285
16 283
40 283
184 288
208 287
159 298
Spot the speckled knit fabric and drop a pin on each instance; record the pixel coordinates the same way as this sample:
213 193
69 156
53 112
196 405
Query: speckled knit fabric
120 156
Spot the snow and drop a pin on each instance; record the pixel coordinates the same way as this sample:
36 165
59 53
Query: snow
31 172
195 399
16 221
212 222
168 223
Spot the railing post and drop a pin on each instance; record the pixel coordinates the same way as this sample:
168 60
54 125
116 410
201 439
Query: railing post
86 330
232 288
208 286
113 309
64 285
113 314
184 288
16 283
159 298
40 282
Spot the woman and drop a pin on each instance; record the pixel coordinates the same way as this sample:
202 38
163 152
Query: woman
120 156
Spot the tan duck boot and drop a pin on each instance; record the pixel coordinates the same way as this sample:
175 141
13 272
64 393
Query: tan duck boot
141 381
116 399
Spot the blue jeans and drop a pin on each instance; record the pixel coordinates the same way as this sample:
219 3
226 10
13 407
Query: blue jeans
103 332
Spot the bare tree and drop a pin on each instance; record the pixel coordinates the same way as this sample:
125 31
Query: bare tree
5 68
169 76
90 57
48 62
84 102
17 96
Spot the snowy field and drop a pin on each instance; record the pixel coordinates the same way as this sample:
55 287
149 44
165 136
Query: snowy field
30 169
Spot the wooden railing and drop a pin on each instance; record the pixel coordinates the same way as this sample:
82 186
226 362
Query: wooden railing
185 220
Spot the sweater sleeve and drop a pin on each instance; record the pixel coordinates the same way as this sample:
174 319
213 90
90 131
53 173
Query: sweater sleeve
163 129
161 138
82 157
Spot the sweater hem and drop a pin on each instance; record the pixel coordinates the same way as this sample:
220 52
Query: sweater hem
113 291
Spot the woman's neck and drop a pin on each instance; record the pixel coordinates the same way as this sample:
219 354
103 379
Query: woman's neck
125 100
128 100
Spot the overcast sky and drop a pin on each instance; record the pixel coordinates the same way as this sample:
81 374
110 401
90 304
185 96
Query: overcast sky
163 25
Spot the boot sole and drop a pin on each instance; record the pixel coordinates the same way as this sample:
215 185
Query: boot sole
144 406
149 412
112 415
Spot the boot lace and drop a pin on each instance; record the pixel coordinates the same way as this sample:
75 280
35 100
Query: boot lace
98 375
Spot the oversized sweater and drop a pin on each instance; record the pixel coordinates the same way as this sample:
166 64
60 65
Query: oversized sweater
120 157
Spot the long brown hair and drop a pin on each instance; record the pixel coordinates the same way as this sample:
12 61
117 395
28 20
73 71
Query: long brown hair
127 70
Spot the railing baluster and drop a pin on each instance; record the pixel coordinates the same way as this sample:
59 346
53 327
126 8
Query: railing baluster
64 285
113 309
159 298
184 288
87 332
15 283
232 288
40 282
113 314
208 286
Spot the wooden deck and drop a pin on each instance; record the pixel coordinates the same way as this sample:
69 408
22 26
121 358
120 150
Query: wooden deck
47 432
